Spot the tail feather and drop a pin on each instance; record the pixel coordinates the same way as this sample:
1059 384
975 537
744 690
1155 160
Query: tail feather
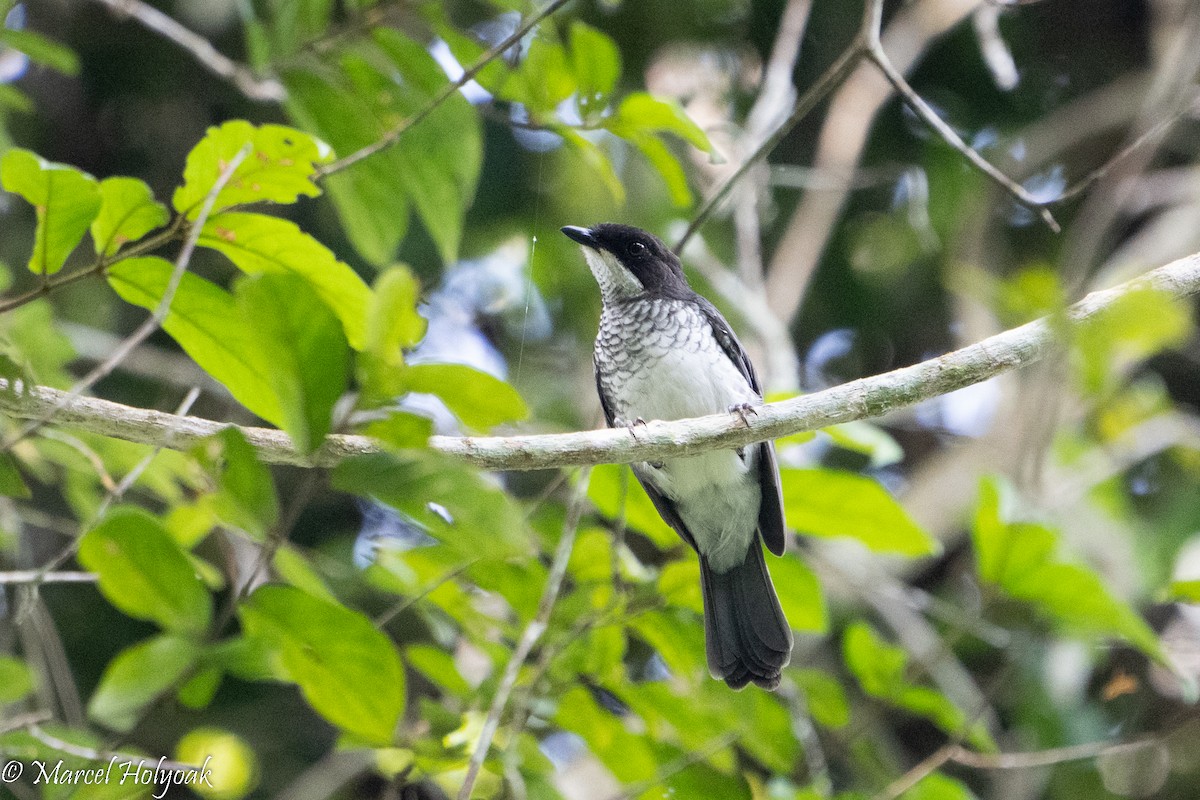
747 636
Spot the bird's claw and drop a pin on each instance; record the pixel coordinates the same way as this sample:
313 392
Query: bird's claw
742 409
629 425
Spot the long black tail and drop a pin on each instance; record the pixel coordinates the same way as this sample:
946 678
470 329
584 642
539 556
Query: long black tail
746 633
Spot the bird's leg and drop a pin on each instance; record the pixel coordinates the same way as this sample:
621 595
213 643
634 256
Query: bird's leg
742 409
620 422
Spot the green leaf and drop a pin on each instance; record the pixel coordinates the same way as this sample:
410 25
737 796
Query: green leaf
881 671
16 680
393 325
1135 325
401 430
438 666
370 198
452 503
824 697
294 567
259 244
347 670
137 676
434 166
65 199
936 786
643 113
128 211
615 492
799 593
246 497
478 399
41 50
597 160
14 98
1021 560
545 77
663 160
143 572
1185 591
870 440
207 323
825 502
299 336
628 755
11 482
279 168
596 62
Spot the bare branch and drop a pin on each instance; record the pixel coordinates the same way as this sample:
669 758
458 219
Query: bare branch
657 440
241 76
393 136
37 576
529 637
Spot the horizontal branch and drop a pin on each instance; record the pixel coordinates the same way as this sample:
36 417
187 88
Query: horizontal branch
654 441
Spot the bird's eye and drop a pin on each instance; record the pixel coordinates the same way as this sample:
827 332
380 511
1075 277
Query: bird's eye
636 248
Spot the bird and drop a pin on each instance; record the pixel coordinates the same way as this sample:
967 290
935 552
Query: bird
664 352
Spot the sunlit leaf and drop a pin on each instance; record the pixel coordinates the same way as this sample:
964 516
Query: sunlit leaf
207 323
233 764
1185 591
824 697
478 399
799 593
279 167
438 666
293 566
936 786
259 244
143 572
137 676
881 670
628 755
302 340
643 113
393 326
65 199
128 211
870 440
825 502
11 482
1021 559
1136 324
347 670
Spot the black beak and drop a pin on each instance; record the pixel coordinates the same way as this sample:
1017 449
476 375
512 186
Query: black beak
581 235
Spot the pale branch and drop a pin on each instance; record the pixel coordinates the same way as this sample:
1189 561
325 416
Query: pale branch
242 77
654 441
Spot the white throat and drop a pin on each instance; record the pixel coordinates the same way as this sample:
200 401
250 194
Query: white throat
615 281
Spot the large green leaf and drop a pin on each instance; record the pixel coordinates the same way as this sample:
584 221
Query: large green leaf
65 199
454 504
1021 560
143 572
348 671
393 325
825 502
279 168
1135 325
596 62
258 244
302 340
128 211
245 497
137 676
208 325
643 113
434 164
881 670
478 399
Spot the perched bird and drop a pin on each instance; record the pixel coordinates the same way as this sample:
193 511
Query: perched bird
664 352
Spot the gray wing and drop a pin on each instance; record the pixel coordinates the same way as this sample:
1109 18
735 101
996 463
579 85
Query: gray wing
666 508
771 525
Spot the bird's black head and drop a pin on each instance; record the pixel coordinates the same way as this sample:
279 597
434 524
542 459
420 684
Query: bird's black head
628 261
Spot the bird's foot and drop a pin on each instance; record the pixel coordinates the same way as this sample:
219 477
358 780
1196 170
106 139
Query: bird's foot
742 409
629 425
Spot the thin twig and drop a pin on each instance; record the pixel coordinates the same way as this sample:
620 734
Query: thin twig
529 637
393 136
92 754
155 320
877 55
241 76
37 576
25 721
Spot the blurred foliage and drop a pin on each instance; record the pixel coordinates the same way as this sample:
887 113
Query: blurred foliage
346 633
